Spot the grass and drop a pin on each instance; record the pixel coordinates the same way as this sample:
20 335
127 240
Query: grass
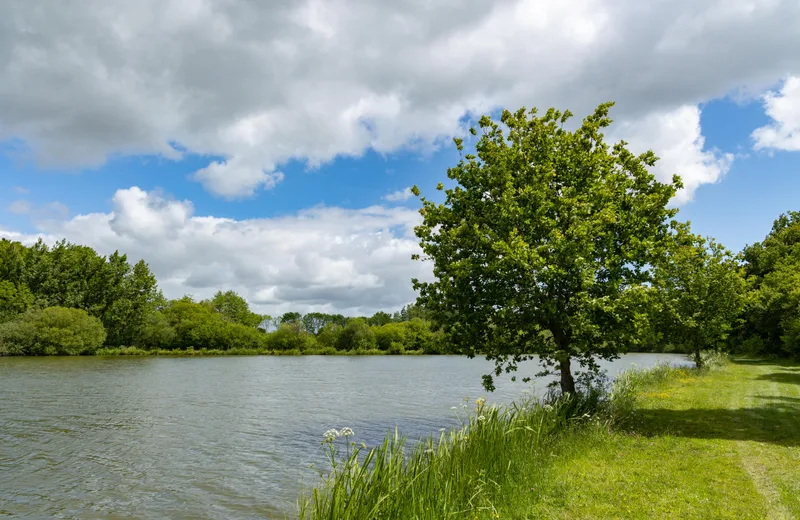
667 443
135 351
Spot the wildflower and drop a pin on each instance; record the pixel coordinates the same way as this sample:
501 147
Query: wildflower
481 418
345 432
330 435
363 446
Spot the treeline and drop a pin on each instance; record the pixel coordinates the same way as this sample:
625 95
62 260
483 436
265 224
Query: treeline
748 303
69 300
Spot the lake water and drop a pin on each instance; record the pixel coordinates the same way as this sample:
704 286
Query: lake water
216 437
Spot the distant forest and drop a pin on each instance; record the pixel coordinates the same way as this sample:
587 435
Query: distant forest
68 299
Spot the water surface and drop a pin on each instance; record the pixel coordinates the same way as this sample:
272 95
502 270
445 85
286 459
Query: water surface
216 437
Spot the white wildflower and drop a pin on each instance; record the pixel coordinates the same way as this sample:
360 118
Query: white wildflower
330 435
345 432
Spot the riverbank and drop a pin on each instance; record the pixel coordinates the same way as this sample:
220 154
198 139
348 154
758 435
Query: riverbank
670 443
134 351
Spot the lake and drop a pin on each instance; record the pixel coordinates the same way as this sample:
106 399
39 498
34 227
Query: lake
215 437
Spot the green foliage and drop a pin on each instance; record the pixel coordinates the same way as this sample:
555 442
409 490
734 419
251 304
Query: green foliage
291 336
328 336
235 309
391 334
15 299
535 247
379 318
52 331
198 326
356 335
68 275
156 332
699 293
772 317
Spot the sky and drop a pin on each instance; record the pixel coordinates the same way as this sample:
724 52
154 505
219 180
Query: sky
269 147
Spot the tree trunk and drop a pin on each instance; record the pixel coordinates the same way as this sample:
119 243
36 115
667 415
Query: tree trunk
567 382
697 360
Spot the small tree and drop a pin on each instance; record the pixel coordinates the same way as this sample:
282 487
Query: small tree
700 292
537 247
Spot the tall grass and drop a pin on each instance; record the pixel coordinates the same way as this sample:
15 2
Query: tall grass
460 473
468 472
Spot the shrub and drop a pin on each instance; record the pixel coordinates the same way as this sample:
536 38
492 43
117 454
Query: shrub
52 331
291 337
356 335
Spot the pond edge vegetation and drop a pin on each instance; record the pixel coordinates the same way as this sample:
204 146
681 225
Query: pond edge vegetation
468 471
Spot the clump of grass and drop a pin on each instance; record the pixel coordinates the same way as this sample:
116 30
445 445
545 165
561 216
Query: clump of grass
460 473
713 359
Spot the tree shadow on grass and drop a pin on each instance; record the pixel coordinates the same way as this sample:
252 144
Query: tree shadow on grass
785 377
776 422
782 398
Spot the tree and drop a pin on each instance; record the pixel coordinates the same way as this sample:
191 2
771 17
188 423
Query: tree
379 318
291 317
52 331
700 292
773 313
356 335
235 309
14 300
535 247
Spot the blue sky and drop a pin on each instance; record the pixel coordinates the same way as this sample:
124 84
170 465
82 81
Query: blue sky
264 160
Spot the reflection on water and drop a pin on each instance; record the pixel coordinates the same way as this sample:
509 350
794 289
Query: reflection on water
230 437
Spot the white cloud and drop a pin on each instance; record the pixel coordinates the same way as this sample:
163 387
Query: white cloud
399 195
324 258
41 213
255 84
21 190
676 138
783 107
19 207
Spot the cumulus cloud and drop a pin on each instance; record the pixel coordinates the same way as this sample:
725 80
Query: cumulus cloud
254 84
399 195
327 259
783 107
676 138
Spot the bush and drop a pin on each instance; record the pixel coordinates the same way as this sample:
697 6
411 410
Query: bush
291 337
52 331
390 336
356 335
156 332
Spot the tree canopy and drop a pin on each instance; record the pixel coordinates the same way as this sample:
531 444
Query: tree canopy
699 291
539 247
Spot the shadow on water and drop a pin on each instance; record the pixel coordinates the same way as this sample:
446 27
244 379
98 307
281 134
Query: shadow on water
768 419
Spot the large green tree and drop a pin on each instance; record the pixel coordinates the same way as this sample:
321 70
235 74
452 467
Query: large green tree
772 316
699 291
540 246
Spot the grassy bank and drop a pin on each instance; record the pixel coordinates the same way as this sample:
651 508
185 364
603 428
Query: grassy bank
134 351
668 443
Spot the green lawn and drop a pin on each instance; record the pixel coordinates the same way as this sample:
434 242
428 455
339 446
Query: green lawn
723 444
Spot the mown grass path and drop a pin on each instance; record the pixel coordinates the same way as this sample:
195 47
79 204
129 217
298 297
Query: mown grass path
724 444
